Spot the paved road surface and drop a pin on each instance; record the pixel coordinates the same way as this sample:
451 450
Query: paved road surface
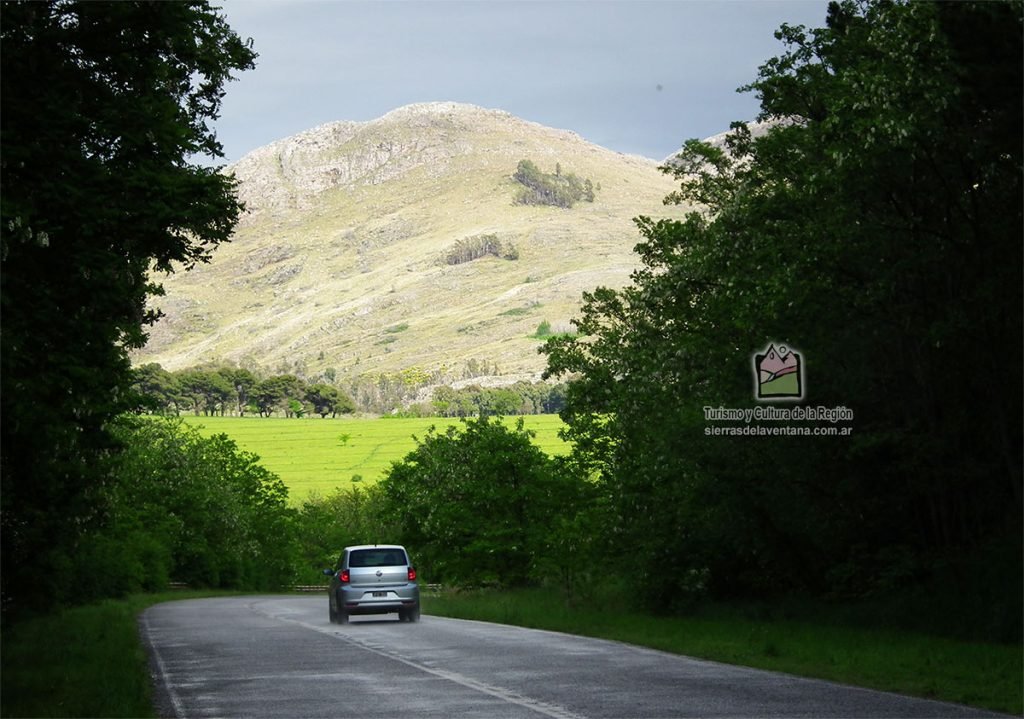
278 657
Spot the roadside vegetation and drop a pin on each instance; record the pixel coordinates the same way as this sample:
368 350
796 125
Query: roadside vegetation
848 643
82 661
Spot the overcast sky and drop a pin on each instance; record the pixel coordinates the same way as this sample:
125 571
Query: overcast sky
634 76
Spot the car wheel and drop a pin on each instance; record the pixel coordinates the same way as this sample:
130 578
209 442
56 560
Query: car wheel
413 615
333 615
342 616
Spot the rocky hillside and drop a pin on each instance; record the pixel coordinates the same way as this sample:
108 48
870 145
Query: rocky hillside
341 261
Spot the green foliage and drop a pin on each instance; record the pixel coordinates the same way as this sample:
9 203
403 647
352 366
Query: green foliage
327 524
224 390
186 508
104 107
876 226
97 669
479 505
540 188
157 390
544 332
518 398
326 399
177 506
278 393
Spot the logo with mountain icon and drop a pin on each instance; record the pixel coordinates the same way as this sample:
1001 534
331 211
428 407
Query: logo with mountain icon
779 374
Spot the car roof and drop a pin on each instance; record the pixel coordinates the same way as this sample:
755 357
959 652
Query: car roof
375 546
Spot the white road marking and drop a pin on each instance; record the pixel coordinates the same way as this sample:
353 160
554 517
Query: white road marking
507 695
179 708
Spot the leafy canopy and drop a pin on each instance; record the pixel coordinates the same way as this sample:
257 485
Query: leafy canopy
876 226
105 107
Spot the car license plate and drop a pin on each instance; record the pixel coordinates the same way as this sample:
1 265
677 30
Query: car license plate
380 594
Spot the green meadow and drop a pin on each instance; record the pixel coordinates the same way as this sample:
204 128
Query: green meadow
318 455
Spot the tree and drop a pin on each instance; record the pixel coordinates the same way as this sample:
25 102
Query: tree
277 392
243 381
478 504
105 105
342 518
187 508
877 226
540 188
207 391
158 389
328 400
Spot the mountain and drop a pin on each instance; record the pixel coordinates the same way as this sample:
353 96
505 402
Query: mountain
340 259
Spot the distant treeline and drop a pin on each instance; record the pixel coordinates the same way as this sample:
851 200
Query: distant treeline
557 189
233 390
236 391
475 401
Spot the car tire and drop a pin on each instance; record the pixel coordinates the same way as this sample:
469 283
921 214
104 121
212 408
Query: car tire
413 615
331 613
342 616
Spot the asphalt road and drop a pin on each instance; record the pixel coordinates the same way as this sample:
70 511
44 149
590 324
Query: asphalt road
279 657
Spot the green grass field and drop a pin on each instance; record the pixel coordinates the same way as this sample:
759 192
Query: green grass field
319 455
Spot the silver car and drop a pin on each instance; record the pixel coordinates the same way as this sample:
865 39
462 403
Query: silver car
373 579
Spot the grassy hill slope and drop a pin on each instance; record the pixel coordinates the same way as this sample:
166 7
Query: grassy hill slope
339 261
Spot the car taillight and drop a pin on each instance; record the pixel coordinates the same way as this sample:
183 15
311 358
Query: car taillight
344 576
412 574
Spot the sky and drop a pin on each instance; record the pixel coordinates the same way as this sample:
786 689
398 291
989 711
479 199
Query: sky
636 76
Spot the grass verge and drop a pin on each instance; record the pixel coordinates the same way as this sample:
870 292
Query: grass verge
978 674
81 662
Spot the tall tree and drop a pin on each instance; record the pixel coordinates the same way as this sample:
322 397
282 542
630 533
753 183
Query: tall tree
486 489
106 107
876 226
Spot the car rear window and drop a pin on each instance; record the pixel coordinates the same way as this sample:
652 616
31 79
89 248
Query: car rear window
376 558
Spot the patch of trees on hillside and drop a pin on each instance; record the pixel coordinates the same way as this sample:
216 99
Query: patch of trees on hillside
545 188
478 246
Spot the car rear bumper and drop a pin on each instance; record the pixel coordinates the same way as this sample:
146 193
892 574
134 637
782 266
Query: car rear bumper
361 600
